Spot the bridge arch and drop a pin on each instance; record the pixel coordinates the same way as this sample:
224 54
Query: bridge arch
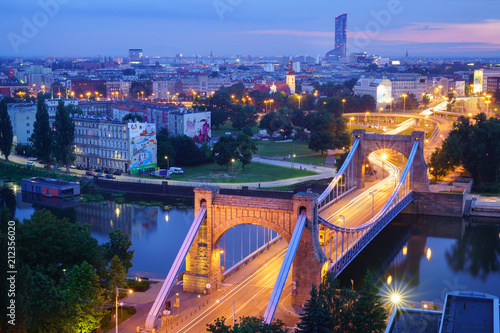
370 142
221 229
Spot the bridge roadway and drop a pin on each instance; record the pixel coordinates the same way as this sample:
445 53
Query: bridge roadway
250 288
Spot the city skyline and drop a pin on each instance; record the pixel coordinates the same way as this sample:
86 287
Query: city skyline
387 28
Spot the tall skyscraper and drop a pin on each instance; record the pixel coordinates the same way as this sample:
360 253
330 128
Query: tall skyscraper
340 49
135 56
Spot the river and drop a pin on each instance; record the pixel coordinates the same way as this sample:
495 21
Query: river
421 257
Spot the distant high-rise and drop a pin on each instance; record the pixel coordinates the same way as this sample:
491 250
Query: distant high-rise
135 56
340 49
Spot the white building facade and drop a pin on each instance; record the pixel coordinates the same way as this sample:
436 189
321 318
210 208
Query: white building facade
22 116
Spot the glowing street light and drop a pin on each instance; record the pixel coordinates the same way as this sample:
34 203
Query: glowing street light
116 305
343 105
404 102
395 299
234 309
299 100
350 124
168 162
373 202
232 165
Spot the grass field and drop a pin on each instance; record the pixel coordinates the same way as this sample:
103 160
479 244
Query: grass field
313 159
272 148
227 127
15 172
254 172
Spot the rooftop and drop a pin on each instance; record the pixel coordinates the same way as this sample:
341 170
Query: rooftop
54 182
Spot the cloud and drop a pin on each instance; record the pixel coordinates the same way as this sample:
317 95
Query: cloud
426 28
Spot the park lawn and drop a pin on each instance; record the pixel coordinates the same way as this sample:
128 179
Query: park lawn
228 127
254 172
280 149
310 159
16 172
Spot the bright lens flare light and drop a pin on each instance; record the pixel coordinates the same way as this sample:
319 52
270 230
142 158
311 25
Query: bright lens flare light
428 254
395 299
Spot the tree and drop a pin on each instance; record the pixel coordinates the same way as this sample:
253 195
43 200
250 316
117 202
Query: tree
166 151
270 122
116 276
133 116
321 141
225 150
247 325
246 149
186 151
83 297
218 118
369 314
314 318
42 134
119 246
64 136
242 116
6 132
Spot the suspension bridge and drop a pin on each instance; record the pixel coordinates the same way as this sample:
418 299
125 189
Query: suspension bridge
320 236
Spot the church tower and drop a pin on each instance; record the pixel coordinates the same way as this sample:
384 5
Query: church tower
290 78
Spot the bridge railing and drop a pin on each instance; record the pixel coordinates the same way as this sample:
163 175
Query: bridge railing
353 240
152 318
342 183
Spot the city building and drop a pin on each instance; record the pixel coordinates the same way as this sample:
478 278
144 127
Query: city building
340 49
290 78
135 56
193 123
204 84
483 77
166 89
379 89
102 143
53 103
22 116
411 85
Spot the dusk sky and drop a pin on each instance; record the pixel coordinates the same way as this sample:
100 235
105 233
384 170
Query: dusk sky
255 27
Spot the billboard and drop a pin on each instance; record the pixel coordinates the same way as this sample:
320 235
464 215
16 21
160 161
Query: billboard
478 81
142 146
197 126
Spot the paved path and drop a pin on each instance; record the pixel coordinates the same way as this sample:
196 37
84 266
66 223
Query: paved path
322 172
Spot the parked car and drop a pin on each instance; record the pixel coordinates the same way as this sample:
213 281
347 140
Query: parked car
30 164
32 159
72 167
89 173
47 166
110 176
176 170
40 162
56 168
100 175
117 173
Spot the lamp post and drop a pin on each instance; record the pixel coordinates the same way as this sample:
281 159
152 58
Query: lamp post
232 165
350 124
373 202
379 111
168 162
291 169
116 305
168 96
299 100
343 105
343 223
234 309
404 102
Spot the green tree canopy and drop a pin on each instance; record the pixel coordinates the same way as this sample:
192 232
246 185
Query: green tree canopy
225 150
64 136
6 132
42 133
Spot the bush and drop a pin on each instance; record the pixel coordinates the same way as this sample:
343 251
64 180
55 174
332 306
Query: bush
138 286
487 188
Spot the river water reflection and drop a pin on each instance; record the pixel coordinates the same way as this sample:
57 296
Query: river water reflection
423 257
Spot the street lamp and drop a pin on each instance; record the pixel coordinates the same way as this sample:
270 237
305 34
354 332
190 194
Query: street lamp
291 169
234 309
299 100
271 106
373 202
379 111
350 124
343 223
395 299
232 165
404 102
168 162
343 105
116 305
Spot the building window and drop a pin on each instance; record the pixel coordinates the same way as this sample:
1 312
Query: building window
27 124
28 132
27 117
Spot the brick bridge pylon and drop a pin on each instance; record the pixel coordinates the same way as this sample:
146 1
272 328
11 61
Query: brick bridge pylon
403 144
226 211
